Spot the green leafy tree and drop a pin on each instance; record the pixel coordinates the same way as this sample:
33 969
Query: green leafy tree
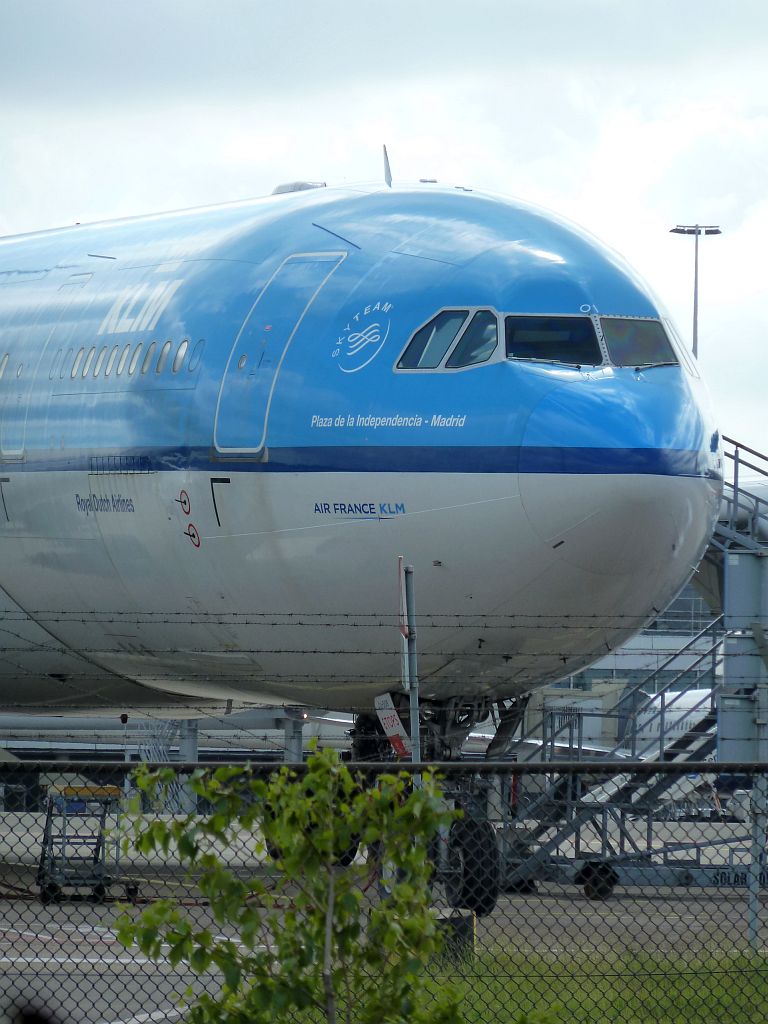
311 940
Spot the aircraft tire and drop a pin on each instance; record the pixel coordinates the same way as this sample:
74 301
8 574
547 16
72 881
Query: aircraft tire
132 891
599 880
473 881
50 893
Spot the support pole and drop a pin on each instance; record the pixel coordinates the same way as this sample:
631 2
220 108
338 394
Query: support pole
413 669
188 741
294 740
760 782
759 821
187 754
696 230
696 293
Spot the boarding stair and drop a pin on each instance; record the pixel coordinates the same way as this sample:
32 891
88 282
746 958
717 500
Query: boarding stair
743 522
157 737
558 814
695 743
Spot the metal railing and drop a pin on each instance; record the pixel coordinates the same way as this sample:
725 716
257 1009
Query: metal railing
744 516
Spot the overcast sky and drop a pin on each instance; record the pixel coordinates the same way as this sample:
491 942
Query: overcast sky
628 116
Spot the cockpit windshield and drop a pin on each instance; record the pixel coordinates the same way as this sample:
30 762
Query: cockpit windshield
461 338
478 342
426 349
637 342
553 339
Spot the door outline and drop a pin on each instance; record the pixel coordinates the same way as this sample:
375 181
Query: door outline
334 259
33 377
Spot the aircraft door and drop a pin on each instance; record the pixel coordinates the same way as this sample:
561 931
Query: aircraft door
25 341
15 382
242 410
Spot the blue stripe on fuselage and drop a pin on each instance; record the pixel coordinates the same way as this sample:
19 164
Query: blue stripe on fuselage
384 459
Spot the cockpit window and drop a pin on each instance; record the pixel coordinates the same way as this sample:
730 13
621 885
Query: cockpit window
432 341
637 342
553 339
681 351
478 342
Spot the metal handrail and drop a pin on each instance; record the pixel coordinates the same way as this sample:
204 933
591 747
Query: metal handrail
752 451
549 735
759 506
648 680
662 743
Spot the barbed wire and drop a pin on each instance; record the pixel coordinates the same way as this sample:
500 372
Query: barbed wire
487 682
333 619
278 686
477 650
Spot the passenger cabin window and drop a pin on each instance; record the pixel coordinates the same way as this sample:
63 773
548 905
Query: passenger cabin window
76 364
88 361
3 364
429 344
123 360
194 359
637 342
478 342
111 362
100 361
179 357
553 339
148 357
115 364
163 357
135 359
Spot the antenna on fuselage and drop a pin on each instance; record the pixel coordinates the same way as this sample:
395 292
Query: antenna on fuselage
387 171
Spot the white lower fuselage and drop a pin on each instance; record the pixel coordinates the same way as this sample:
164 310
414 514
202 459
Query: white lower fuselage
520 580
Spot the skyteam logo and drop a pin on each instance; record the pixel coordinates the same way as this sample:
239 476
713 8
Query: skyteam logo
363 337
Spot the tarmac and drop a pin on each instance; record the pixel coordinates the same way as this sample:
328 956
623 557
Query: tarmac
64 958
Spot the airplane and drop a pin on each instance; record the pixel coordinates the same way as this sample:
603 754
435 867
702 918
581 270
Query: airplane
220 428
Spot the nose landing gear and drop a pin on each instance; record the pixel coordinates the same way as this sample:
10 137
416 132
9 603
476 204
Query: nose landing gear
467 860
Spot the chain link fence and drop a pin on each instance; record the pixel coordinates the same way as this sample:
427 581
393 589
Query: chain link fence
624 893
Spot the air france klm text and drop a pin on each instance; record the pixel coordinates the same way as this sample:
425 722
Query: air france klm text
380 509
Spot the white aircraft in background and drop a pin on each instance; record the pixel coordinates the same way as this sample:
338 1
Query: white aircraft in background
678 711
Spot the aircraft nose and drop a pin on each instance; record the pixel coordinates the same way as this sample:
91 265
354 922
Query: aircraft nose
614 478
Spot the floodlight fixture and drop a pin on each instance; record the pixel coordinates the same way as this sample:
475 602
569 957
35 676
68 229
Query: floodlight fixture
696 230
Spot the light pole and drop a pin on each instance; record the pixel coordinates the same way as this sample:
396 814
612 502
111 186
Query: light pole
696 230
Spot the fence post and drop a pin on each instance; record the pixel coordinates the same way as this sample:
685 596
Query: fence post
760 782
188 754
413 669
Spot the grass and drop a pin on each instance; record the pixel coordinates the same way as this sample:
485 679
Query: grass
502 987
505 987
